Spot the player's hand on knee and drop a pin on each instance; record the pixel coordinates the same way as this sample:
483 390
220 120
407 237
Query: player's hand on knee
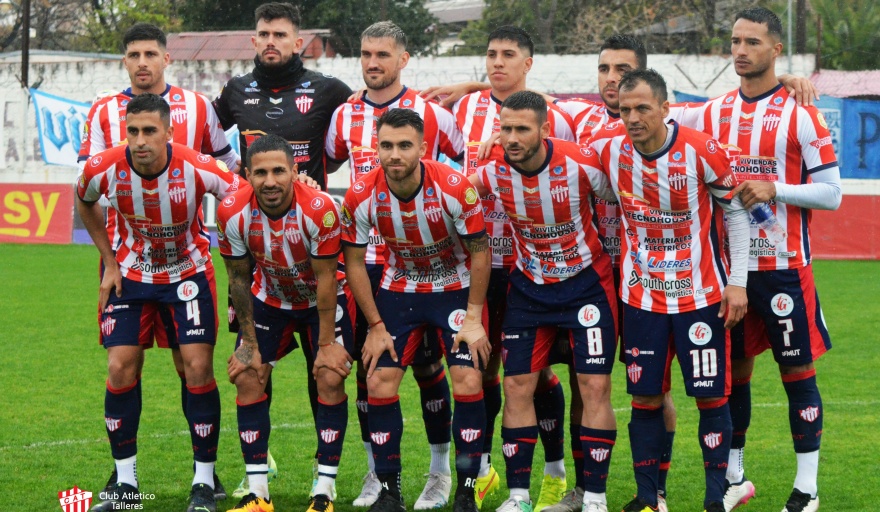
734 303
377 343
333 357
111 280
477 341
246 356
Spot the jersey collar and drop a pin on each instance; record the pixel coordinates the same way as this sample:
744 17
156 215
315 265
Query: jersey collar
416 192
128 92
154 176
665 150
387 103
760 97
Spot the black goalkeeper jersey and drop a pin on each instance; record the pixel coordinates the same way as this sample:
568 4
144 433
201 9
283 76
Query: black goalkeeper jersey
300 113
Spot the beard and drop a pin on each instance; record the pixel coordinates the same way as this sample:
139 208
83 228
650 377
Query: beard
527 153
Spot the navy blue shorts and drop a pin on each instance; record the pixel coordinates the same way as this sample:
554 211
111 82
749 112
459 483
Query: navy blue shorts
699 340
785 315
584 305
188 310
408 316
275 328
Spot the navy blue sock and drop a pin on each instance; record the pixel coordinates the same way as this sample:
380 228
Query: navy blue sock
203 416
468 423
577 453
519 449
804 410
362 406
665 462
268 391
740 401
550 410
183 394
332 420
436 406
122 415
492 399
253 430
597 445
647 432
715 432
386 429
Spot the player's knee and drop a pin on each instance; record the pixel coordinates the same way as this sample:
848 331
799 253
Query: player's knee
382 385
329 381
652 401
595 387
199 370
793 370
741 369
519 388
466 381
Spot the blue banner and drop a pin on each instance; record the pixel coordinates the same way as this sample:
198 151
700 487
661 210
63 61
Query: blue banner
59 124
683 97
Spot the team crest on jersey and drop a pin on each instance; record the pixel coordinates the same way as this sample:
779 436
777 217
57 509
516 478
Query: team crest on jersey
634 373
509 449
328 435
434 213
317 203
249 436
589 315
187 290
380 438
329 219
75 499
677 180
107 326
771 122
179 115
700 333
810 414
203 430
304 103
454 179
113 424
712 440
547 424
599 454
292 234
178 194
559 193
469 435
782 304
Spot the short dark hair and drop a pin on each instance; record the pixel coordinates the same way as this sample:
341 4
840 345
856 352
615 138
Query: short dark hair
627 42
401 117
149 102
143 32
515 34
387 29
764 17
654 80
528 100
267 143
278 10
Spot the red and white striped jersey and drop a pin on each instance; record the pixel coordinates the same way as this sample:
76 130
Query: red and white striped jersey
671 223
352 135
550 210
477 115
192 116
422 233
770 138
282 247
159 233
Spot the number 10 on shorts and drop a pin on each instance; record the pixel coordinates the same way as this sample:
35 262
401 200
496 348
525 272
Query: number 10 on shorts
705 363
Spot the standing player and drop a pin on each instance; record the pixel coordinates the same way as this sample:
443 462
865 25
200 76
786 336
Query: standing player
784 158
562 280
508 61
677 298
352 135
435 276
195 125
161 260
283 98
293 233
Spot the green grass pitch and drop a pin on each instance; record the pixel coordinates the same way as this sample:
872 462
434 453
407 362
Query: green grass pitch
52 375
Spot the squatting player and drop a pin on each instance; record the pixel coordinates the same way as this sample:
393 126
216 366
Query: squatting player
195 125
436 273
161 260
782 156
352 135
562 280
293 234
677 298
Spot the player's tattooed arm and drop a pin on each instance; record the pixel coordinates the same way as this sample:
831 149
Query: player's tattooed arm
475 245
472 331
247 355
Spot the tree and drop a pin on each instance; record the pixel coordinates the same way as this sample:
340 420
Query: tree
109 19
850 33
545 20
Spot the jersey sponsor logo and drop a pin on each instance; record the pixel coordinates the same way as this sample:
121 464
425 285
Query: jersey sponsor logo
252 101
729 99
304 103
470 197
677 181
712 440
380 438
599 454
819 143
821 118
276 101
782 304
771 122
96 161
509 449
274 113
328 435
673 289
634 373
203 430
317 203
547 424
407 103
744 128
586 151
329 219
469 435
761 168
454 179
456 319
187 291
113 424
229 201
203 158
700 333
810 414
107 326
249 436
589 315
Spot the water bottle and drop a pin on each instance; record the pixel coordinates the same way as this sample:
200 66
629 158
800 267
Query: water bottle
766 220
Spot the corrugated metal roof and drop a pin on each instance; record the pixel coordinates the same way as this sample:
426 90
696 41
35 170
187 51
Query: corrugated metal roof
843 84
234 45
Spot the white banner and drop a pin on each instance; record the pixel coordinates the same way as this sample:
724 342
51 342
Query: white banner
60 126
